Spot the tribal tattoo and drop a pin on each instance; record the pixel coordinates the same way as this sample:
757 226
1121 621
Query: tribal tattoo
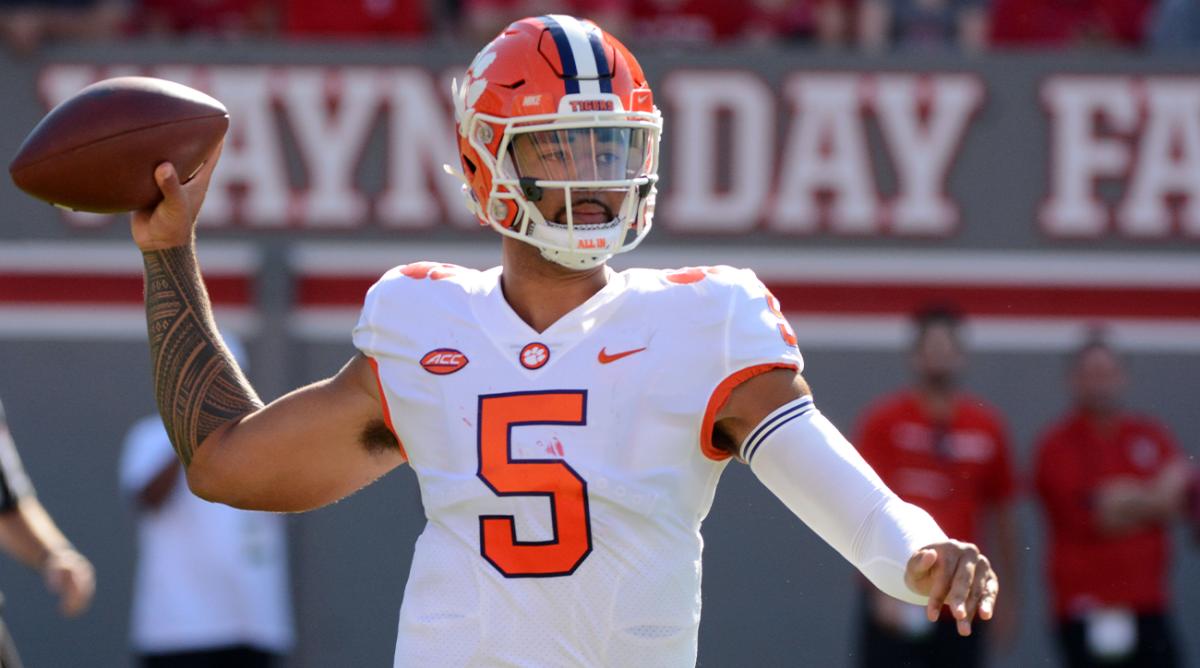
197 384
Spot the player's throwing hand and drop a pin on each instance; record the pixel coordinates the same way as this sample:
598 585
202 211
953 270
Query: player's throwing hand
171 222
955 574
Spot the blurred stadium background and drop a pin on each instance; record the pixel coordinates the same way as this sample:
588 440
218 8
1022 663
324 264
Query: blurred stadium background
1036 162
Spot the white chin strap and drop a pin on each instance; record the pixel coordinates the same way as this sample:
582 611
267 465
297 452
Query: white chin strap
603 236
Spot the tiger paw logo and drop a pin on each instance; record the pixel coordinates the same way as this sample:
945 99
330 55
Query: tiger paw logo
443 361
535 355
474 83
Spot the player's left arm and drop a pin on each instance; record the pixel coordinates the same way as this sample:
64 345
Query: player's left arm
28 533
770 423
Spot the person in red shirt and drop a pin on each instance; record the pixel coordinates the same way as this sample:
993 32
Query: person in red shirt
213 18
481 20
1070 23
358 19
946 451
1110 481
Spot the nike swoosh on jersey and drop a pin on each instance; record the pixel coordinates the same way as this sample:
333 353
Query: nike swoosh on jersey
605 358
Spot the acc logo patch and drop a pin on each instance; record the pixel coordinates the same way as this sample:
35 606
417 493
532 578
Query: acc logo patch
443 361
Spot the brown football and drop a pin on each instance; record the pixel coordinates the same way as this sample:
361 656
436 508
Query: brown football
98 149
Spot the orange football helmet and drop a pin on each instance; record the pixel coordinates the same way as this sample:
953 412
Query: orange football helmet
556 111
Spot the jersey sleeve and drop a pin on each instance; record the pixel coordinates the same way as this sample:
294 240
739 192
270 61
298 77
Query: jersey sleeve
757 339
758 333
384 333
14 482
399 304
370 332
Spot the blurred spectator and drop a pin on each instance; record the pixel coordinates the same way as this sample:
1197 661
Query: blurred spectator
1176 25
358 19
782 20
484 19
211 585
1110 482
216 18
835 22
27 24
1065 23
924 24
946 451
705 22
660 22
695 22
28 534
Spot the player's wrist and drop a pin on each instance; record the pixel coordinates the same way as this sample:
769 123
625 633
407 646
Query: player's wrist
52 556
186 243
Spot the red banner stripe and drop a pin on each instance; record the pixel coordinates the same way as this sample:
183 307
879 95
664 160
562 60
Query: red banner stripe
894 298
37 288
829 298
993 300
332 290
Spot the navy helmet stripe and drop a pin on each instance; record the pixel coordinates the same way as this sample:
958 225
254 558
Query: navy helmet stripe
565 55
602 66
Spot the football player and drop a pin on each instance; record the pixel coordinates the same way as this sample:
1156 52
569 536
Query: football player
567 423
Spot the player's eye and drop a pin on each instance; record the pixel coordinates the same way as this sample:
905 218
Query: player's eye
607 158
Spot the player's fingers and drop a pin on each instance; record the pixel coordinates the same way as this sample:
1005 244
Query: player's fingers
974 597
168 181
197 184
916 572
990 590
77 593
960 586
68 602
940 587
204 173
75 604
922 561
983 574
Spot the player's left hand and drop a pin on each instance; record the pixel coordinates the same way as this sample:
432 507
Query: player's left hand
70 575
955 574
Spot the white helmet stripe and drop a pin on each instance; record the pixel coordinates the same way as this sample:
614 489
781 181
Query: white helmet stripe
585 59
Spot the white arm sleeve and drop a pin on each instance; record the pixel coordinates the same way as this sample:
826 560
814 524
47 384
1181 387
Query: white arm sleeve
803 459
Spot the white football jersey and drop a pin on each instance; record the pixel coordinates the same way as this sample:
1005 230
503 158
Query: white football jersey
564 473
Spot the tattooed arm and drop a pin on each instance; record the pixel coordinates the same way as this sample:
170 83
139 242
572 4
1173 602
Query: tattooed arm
197 384
308 448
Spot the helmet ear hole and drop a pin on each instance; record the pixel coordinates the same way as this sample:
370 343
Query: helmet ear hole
469 165
504 212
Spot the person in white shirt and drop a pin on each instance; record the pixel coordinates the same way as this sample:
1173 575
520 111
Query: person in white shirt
211 584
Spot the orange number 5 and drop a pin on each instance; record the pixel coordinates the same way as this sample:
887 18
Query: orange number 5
551 478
